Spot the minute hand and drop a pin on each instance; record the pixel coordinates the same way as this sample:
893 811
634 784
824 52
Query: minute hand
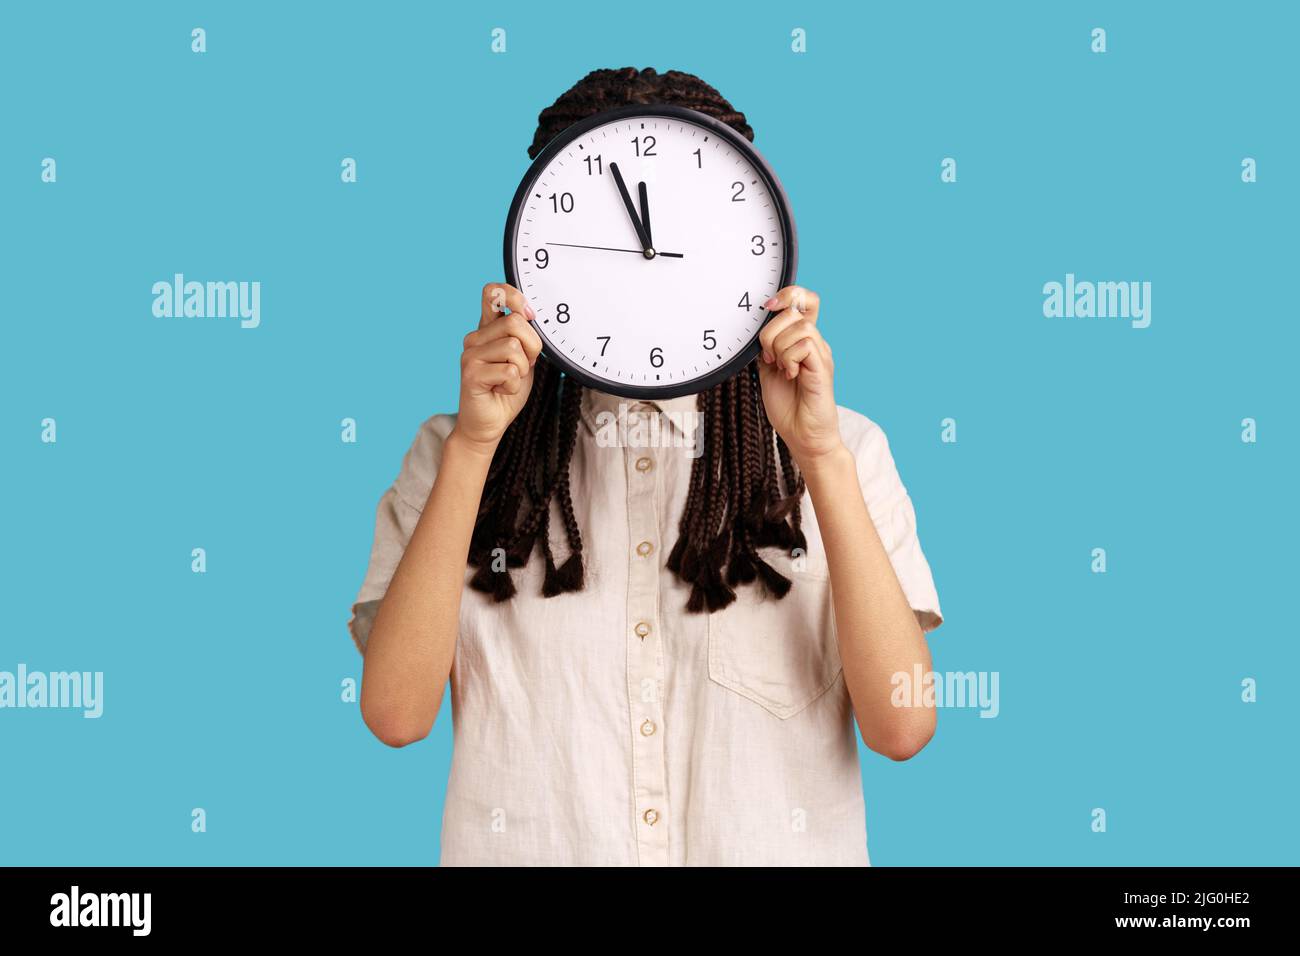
631 211
645 215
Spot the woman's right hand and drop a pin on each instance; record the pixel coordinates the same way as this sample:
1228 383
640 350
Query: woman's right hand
496 366
412 642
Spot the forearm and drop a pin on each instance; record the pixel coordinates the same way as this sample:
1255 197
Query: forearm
878 632
412 642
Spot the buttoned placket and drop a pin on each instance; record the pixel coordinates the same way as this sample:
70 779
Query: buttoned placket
645 653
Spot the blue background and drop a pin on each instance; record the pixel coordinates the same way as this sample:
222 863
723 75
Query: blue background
222 690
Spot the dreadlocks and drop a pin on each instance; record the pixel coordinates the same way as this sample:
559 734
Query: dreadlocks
744 488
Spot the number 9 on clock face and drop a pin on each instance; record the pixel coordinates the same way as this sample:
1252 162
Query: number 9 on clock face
647 239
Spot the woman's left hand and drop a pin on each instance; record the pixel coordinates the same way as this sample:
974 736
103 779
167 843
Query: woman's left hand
797 377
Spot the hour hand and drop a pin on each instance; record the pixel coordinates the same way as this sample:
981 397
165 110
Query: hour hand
649 251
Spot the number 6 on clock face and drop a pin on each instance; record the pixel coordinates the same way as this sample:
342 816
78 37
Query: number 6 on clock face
647 239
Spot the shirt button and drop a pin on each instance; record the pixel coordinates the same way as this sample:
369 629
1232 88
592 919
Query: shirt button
650 817
644 464
644 548
642 629
647 728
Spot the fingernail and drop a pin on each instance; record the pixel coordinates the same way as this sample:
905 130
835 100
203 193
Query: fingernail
528 310
770 302
767 356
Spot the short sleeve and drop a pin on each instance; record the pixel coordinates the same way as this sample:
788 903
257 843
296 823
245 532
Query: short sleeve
893 514
396 516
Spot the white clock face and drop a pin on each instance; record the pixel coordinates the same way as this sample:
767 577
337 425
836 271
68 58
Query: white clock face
671 320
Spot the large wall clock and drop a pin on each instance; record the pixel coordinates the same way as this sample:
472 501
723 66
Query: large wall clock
647 239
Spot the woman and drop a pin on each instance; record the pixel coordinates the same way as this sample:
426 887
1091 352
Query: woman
656 654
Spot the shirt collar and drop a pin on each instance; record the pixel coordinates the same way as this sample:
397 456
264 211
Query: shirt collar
600 409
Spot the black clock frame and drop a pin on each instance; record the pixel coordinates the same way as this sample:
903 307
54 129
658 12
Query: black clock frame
716 127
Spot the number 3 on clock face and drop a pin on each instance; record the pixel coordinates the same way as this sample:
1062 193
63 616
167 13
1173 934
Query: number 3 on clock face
647 239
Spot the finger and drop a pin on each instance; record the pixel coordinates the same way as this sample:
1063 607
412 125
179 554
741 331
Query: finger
766 369
778 323
513 384
803 354
501 377
792 333
506 349
499 296
796 297
508 325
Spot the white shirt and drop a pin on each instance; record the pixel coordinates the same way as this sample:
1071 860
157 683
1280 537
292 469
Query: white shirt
609 726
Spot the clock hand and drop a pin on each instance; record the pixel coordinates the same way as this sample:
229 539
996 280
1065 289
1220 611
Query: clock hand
648 250
645 215
639 252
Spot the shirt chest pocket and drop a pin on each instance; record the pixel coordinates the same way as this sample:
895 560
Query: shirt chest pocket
781 654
